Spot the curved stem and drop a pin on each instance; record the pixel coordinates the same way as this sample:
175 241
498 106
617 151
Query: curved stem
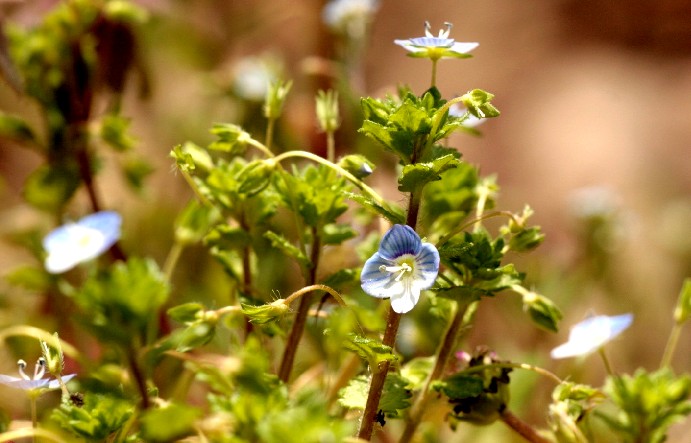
299 293
522 428
268 137
172 260
350 177
463 227
536 369
671 345
605 360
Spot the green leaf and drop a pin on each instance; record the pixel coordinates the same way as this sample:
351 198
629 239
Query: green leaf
372 351
393 214
227 237
136 170
114 132
460 386
335 234
478 103
190 157
231 138
542 310
29 277
526 239
192 224
266 313
168 423
98 418
50 187
255 176
285 246
395 395
186 312
417 175
683 308
14 127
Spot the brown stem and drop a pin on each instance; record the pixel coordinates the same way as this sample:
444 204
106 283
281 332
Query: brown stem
138 377
301 316
522 428
378 379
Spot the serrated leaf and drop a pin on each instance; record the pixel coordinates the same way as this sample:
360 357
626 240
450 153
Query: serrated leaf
415 176
372 351
460 386
335 234
285 246
50 187
395 395
392 213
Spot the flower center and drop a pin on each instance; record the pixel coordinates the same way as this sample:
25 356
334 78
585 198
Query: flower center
401 269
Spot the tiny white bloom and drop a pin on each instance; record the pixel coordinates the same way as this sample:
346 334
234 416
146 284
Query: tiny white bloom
436 47
591 334
74 243
29 383
350 16
401 268
470 121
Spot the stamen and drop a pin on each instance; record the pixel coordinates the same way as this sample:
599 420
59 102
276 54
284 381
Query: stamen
445 34
21 364
428 29
40 368
402 269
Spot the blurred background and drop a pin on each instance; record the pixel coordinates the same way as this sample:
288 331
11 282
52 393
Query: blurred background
595 135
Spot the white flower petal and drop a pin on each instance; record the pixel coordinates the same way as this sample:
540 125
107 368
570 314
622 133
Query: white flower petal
591 334
406 300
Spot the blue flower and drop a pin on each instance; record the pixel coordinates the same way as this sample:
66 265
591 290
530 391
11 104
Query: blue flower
591 334
438 47
401 268
28 383
74 243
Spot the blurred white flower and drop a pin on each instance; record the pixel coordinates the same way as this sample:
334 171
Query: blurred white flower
350 17
74 243
470 121
591 334
252 76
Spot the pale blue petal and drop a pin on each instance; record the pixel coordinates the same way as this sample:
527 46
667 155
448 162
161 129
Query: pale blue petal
426 266
399 240
107 223
432 42
591 334
377 283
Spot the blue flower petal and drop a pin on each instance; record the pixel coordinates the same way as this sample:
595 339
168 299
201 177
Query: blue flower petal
432 42
426 266
591 334
378 283
106 222
398 241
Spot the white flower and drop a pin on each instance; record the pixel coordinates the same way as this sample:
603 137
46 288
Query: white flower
74 243
591 334
469 120
28 383
401 268
437 47
350 16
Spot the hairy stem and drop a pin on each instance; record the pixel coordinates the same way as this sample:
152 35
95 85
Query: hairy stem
378 378
671 345
301 317
522 428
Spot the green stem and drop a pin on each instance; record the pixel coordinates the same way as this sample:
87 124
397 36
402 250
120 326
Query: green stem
330 147
671 346
172 259
522 428
268 138
463 227
434 73
34 419
536 369
605 360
